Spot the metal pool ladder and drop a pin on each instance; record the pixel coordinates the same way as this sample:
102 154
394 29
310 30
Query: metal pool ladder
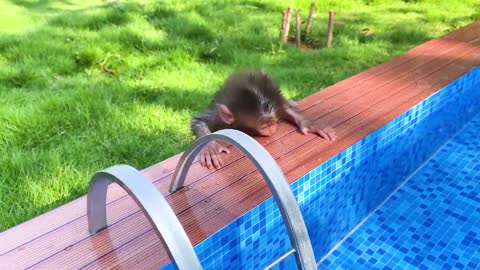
277 182
154 206
167 225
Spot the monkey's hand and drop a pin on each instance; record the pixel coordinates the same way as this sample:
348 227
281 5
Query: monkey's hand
306 126
210 155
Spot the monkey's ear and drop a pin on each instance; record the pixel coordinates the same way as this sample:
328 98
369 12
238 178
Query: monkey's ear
225 114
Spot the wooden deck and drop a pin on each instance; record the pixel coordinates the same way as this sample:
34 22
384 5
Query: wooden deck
356 106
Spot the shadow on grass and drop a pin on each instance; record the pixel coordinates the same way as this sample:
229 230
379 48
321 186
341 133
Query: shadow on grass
41 6
178 25
364 28
177 99
75 16
96 21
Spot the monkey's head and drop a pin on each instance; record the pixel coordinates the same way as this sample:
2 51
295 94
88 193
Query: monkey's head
251 109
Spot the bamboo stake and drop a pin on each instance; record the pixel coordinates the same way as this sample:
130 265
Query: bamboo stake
331 18
310 19
287 25
298 22
282 28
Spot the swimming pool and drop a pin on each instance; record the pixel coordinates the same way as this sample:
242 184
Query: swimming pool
412 228
431 222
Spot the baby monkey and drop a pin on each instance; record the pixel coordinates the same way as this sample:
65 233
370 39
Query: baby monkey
250 102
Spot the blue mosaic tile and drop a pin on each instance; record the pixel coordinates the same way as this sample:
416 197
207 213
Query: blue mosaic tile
341 192
432 222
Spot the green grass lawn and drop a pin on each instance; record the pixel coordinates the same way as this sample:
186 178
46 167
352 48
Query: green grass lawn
88 84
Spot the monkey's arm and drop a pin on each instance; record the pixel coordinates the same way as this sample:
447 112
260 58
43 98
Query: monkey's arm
292 113
201 125
305 125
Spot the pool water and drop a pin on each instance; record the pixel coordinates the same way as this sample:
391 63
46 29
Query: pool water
431 222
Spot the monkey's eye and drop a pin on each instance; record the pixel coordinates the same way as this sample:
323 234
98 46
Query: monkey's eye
268 125
272 122
264 126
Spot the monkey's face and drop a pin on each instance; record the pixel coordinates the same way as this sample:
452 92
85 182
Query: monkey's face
260 127
266 120
267 129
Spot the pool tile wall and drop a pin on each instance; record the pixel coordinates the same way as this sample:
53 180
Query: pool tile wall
431 222
338 194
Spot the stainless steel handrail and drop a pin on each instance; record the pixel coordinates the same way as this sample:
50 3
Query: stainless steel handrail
153 205
275 179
